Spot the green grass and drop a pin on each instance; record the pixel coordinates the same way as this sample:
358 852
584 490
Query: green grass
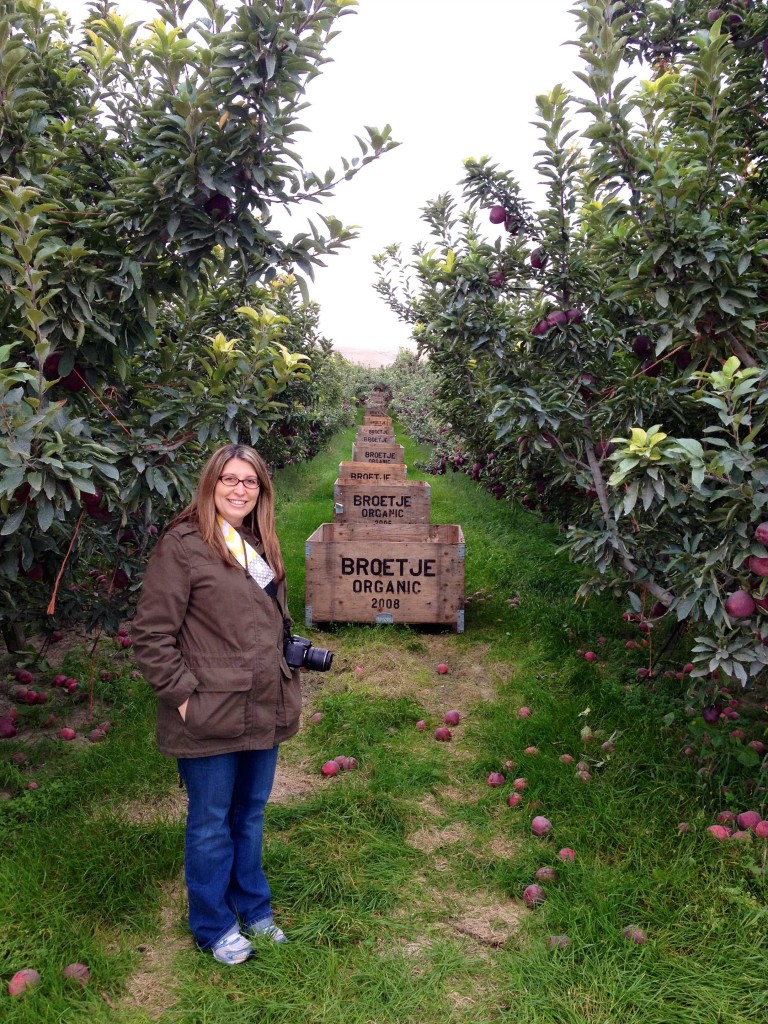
384 876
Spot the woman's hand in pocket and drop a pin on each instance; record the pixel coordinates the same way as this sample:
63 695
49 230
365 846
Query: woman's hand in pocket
183 710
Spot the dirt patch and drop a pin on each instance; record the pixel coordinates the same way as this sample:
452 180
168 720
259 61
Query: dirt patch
152 989
429 806
503 848
169 807
456 795
392 671
478 915
430 839
292 783
491 923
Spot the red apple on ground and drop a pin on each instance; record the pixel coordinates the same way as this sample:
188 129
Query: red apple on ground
533 896
78 973
495 779
541 826
546 874
67 734
720 832
330 768
443 734
748 820
7 728
635 934
523 712
421 725
452 718
567 854
514 799
23 982
442 669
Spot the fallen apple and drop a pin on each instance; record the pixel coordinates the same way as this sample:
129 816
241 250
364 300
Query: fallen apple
546 874
23 982
541 826
452 718
78 973
442 669
533 896
443 734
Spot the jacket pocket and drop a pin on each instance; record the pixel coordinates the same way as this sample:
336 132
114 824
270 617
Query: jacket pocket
290 709
216 709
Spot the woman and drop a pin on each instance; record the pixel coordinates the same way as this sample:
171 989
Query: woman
209 634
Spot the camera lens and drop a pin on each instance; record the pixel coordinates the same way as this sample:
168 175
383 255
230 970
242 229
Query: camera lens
318 659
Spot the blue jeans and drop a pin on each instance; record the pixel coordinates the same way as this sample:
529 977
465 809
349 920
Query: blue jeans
222 850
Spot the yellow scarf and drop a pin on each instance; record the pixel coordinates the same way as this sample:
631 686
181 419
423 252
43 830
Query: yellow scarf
258 569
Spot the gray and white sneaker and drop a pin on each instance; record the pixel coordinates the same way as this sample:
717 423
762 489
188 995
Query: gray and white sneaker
269 931
234 948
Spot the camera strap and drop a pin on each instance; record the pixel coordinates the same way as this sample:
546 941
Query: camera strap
256 567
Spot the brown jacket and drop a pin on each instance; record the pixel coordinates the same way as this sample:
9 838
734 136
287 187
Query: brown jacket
208 632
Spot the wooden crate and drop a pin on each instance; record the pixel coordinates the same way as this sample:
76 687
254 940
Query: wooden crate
373 472
414 574
377 421
376 429
381 504
364 437
377 452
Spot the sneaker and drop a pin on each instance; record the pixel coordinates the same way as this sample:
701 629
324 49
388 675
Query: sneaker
234 948
270 931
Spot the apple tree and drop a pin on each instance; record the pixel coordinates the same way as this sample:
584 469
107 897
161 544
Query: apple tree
141 171
609 349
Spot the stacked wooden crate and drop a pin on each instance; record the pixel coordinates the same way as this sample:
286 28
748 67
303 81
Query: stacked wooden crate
381 560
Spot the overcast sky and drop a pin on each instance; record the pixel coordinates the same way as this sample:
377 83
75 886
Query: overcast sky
454 78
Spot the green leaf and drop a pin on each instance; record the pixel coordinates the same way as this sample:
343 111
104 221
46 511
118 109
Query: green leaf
44 514
13 522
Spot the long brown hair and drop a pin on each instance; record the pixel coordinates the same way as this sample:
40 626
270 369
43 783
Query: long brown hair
260 521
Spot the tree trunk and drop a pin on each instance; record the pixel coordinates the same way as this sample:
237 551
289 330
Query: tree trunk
13 634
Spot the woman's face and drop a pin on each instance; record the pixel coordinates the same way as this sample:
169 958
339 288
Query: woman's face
234 503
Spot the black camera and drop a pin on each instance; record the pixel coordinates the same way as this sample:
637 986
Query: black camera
299 653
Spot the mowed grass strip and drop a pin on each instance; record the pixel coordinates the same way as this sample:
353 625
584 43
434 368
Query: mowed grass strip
400 882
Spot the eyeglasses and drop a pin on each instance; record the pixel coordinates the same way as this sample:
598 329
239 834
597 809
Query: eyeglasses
251 483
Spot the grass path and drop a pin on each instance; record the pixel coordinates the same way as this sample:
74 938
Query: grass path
400 883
